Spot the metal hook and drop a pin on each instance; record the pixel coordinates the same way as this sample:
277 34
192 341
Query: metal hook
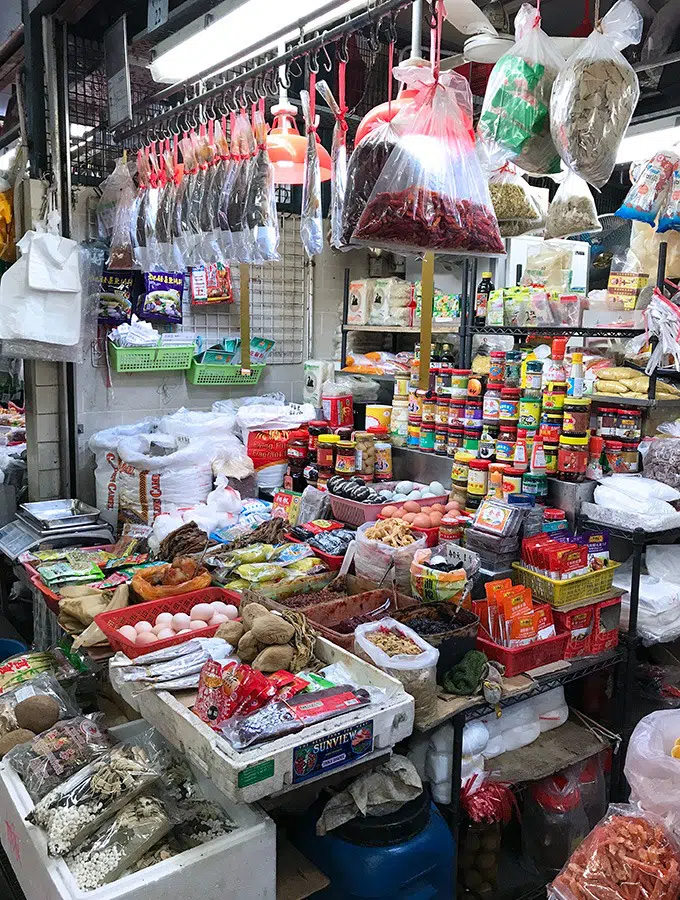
328 65
260 87
391 28
374 36
284 80
313 62
342 51
295 74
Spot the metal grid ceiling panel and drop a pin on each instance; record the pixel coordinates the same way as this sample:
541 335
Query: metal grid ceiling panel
278 300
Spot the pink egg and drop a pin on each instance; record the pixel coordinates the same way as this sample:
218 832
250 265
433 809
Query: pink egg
202 611
157 628
143 626
197 624
180 621
219 607
164 619
231 611
165 633
128 632
185 631
146 637
217 619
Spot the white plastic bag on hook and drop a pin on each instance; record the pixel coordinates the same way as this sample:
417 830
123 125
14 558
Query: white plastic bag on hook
311 221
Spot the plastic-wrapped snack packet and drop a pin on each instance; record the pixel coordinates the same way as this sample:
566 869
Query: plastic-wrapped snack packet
650 189
311 222
669 220
76 808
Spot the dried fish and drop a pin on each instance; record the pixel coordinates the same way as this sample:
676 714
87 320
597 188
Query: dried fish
311 222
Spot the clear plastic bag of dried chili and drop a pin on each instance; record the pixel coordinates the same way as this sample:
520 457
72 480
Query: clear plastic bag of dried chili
432 193
628 855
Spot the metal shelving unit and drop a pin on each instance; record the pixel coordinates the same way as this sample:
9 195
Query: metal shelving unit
403 329
555 331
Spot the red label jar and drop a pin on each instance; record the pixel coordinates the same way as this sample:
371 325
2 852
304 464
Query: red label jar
572 458
576 418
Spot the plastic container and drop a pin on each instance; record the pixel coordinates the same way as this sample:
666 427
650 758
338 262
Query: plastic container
206 374
326 616
523 659
10 647
576 418
265 770
568 590
152 359
553 824
110 622
572 457
197 874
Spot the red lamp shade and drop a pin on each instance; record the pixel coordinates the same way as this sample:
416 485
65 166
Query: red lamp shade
383 113
287 149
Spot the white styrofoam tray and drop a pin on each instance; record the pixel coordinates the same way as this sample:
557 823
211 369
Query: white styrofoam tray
268 769
240 864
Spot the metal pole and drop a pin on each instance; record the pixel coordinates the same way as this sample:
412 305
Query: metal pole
653 341
416 27
244 274
427 278
454 824
345 311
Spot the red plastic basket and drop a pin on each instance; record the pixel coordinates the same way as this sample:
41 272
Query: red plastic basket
110 622
522 659
355 513
51 599
331 560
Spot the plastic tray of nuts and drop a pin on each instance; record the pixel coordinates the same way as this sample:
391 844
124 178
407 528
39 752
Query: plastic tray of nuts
240 863
281 765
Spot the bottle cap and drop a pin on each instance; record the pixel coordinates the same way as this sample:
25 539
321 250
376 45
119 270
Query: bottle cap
559 345
486 274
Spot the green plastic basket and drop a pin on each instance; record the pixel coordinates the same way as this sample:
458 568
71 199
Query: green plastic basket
206 374
150 359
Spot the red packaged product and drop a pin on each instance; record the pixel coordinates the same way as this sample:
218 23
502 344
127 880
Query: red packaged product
431 193
286 684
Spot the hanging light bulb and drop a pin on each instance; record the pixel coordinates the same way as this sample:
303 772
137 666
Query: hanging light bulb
286 146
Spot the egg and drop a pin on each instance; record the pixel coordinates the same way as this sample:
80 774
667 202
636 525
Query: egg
197 624
232 611
390 511
435 519
219 607
157 628
217 619
427 495
146 637
386 494
163 619
399 498
412 506
409 517
452 506
403 487
437 507
165 633
437 488
421 521
129 632
141 627
185 631
202 611
415 495
180 621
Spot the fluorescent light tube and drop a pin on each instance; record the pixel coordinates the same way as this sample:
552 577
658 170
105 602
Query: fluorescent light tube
250 23
639 143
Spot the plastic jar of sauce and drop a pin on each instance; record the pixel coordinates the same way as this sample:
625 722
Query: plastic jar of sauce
555 395
509 405
505 445
495 483
471 438
461 467
456 412
607 421
473 413
629 455
413 433
316 428
536 486
554 520
441 436
297 452
530 412
441 415
454 440
513 369
533 378
551 427
572 457
429 407
478 477
613 454
345 458
576 415
629 424
427 437
459 382
551 452
512 482
496 369
383 460
451 528
491 405
325 451
415 404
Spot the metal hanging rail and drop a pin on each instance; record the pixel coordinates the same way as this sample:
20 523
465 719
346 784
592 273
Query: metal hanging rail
264 76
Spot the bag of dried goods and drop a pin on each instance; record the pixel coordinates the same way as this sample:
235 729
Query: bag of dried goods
54 755
244 148
626 855
399 651
515 121
77 807
516 210
261 215
650 189
311 220
363 169
338 154
119 844
431 193
670 210
652 765
385 545
594 96
572 210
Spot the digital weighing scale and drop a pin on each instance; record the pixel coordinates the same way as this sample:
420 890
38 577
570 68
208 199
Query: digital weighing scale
21 535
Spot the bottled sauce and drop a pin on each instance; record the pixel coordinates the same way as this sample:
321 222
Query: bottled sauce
595 469
553 367
448 357
572 457
487 444
537 464
345 458
484 289
316 428
435 365
496 369
297 452
575 380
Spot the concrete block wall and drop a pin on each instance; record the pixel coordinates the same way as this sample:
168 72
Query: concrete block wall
45 459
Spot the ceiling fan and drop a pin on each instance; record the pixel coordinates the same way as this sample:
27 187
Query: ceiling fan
484 42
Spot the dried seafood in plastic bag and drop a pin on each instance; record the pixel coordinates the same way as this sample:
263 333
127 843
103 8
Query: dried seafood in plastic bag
242 249
114 214
338 159
515 121
261 215
516 210
311 222
594 96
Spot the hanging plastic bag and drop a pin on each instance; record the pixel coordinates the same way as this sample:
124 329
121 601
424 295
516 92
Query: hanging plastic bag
242 249
338 157
432 193
515 121
261 215
138 225
515 208
594 96
231 161
207 250
363 170
650 189
166 208
201 152
670 214
572 210
121 186
311 221
153 262
184 236
221 171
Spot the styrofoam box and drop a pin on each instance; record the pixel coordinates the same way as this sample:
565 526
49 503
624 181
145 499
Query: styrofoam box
240 864
267 769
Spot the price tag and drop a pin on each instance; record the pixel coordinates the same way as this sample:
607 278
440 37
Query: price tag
157 14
